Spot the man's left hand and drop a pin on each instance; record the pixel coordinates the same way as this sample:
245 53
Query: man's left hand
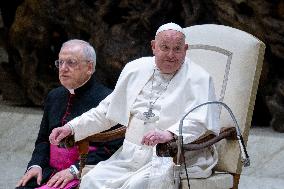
155 137
61 178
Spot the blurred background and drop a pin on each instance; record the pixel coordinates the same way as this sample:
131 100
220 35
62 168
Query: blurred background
32 31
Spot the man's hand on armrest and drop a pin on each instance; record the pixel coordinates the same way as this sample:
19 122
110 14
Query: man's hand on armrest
59 133
155 137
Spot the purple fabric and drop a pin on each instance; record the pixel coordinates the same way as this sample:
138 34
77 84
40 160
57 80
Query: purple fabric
70 185
63 158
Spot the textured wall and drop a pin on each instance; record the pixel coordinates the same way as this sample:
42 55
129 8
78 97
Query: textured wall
32 32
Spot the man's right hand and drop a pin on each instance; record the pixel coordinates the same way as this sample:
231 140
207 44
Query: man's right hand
59 133
33 172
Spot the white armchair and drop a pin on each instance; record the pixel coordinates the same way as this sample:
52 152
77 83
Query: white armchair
234 59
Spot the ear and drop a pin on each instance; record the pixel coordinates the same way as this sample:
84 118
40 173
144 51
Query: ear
186 47
153 46
90 68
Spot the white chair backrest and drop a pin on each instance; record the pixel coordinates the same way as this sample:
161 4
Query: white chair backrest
234 59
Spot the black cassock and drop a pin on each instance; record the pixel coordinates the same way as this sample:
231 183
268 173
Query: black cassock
60 107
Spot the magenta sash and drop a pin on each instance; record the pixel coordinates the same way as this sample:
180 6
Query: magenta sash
63 158
70 185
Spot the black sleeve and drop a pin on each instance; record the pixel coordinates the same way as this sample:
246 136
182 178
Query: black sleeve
40 155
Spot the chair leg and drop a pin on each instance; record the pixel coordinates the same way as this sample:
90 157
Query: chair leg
236 180
83 151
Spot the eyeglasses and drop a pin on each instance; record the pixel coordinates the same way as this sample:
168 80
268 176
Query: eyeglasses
69 62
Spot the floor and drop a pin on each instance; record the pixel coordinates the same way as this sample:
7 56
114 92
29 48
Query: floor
19 127
266 150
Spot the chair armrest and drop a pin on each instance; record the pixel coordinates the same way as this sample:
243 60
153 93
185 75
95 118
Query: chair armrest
107 136
225 133
206 140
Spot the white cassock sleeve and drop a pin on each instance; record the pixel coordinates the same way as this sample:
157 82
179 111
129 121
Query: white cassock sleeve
202 119
93 121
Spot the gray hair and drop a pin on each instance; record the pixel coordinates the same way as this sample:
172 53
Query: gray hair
88 50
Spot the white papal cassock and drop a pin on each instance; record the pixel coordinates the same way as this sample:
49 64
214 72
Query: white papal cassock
134 165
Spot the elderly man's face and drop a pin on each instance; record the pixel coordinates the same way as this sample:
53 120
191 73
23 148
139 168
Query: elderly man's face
75 70
169 49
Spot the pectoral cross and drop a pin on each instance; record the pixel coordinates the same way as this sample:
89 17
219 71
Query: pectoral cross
149 114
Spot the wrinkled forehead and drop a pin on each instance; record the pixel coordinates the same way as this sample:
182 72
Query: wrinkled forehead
71 50
171 36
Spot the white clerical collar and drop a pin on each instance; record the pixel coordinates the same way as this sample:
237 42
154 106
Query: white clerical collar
72 91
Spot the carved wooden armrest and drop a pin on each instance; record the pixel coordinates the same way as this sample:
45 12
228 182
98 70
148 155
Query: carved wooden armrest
105 136
108 135
206 140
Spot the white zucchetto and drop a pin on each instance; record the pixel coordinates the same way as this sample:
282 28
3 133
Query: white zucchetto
169 26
